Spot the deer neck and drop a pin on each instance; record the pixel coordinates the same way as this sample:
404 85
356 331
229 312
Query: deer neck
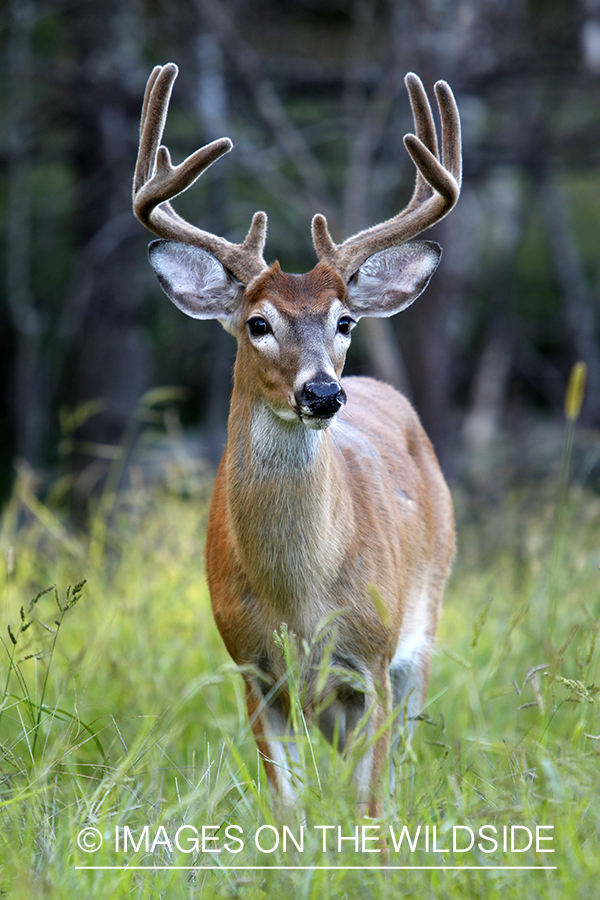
286 499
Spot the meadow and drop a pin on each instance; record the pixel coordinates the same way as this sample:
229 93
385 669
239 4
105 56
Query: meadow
122 713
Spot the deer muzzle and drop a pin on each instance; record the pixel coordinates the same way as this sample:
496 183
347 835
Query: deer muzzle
321 399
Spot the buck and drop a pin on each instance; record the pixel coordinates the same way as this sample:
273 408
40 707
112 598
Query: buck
330 514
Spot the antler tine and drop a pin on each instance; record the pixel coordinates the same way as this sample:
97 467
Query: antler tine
425 132
451 138
156 181
150 137
437 186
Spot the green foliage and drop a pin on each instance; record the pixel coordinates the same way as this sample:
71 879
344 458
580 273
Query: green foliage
35 708
125 712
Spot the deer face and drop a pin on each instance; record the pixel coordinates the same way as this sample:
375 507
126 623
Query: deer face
293 338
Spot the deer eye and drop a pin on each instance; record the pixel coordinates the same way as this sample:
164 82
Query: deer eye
345 325
257 326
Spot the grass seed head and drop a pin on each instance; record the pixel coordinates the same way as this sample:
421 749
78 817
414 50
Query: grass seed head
575 391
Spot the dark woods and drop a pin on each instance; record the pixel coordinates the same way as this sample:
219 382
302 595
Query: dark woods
312 95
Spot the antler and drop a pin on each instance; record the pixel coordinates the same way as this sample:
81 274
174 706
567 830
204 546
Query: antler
436 189
157 181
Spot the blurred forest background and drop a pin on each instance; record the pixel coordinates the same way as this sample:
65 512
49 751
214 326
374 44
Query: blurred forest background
312 94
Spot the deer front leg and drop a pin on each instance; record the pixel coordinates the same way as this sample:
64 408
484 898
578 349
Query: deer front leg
269 720
357 716
409 676
367 774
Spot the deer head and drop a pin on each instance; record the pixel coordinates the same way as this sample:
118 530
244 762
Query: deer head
299 325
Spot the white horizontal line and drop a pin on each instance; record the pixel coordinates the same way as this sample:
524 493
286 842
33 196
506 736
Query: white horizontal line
263 868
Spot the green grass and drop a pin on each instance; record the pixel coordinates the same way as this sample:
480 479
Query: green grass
131 715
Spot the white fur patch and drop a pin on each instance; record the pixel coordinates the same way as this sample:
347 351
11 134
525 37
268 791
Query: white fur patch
279 445
409 650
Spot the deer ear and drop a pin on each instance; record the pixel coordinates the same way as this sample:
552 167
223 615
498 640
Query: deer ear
392 279
196 282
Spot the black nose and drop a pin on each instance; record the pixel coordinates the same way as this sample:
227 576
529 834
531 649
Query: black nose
322 398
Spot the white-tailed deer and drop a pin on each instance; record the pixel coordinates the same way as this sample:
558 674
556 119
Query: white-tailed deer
329 504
